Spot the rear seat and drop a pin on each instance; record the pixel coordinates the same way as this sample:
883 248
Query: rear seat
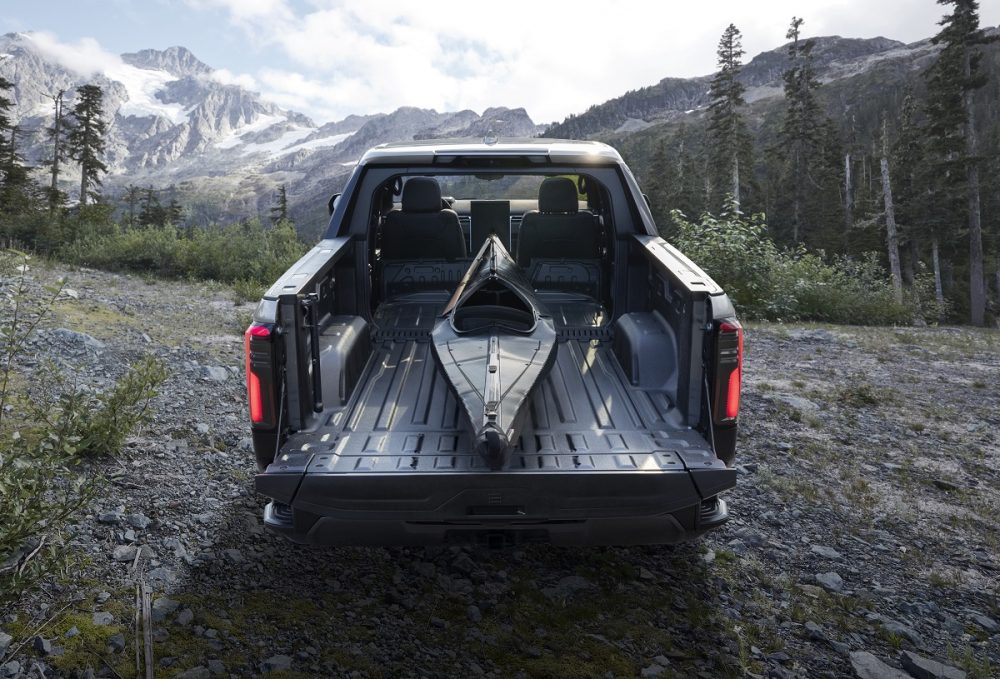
559 246
422 245
421 229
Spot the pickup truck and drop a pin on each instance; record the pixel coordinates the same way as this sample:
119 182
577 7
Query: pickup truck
492 344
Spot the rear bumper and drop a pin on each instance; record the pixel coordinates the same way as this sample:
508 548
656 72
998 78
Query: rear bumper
497 508
641 530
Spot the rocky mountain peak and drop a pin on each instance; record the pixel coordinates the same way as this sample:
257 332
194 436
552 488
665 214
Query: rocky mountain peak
176 60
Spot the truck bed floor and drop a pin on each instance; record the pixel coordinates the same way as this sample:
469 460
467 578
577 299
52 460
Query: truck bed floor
403 418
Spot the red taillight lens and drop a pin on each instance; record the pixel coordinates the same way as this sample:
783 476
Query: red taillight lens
729 373
255 396
735 377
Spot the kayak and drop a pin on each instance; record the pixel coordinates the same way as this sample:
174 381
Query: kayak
495 342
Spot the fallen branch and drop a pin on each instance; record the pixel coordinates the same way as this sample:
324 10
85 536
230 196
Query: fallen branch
147 625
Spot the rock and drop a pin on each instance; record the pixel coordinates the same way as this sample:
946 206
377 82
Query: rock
117 643
276 663
124 553
235 556
102 597
112 518
867 666
5 640
924 668
216 667
904 631
10 669
70 633
176 546
653 670
138 521
567 586
988 624
438 622
797 402
645 574
815 631
185 617
75 337
825 552
70 292
161 576
199 672
42 645
214 373
162 608
473 613
831 582
102 618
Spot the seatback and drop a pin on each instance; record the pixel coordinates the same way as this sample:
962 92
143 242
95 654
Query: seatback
557 229
421 229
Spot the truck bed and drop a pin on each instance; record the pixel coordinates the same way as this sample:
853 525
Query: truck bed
600 461
404 418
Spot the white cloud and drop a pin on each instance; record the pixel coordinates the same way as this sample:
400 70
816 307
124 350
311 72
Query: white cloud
331 58
227 77
84 56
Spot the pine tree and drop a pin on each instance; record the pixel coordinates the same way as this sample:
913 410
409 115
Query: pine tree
133 194
6 128
86 140
173 213
951 83
279 211
6 104
798 134
58 134
16 188
907 161
152 213
661 177
729 140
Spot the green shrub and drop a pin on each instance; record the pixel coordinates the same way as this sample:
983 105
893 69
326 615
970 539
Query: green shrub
43 481
769 283
246 252
93 423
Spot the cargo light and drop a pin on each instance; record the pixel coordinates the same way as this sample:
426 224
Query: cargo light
255 396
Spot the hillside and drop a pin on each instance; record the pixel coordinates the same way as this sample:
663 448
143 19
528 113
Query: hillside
862 534
175 122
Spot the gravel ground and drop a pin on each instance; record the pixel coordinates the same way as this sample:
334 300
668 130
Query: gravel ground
863 540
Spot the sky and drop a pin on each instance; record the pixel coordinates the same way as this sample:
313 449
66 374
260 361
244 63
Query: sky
332 58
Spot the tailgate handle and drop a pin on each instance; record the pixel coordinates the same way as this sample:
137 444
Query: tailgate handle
496 510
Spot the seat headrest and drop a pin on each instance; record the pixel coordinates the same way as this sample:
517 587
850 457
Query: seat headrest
558 194
421 194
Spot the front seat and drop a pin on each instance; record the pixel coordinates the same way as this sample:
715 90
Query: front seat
422 230
557 229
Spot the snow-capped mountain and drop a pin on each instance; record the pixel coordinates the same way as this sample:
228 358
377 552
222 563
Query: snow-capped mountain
174 121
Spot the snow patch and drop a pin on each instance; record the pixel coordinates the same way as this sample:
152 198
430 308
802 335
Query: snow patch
141 86
279 144
285 144
320 143
262 123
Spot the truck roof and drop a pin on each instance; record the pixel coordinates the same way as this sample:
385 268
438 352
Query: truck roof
556 150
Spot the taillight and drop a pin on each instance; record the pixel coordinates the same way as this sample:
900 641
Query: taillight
728 371
257 344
